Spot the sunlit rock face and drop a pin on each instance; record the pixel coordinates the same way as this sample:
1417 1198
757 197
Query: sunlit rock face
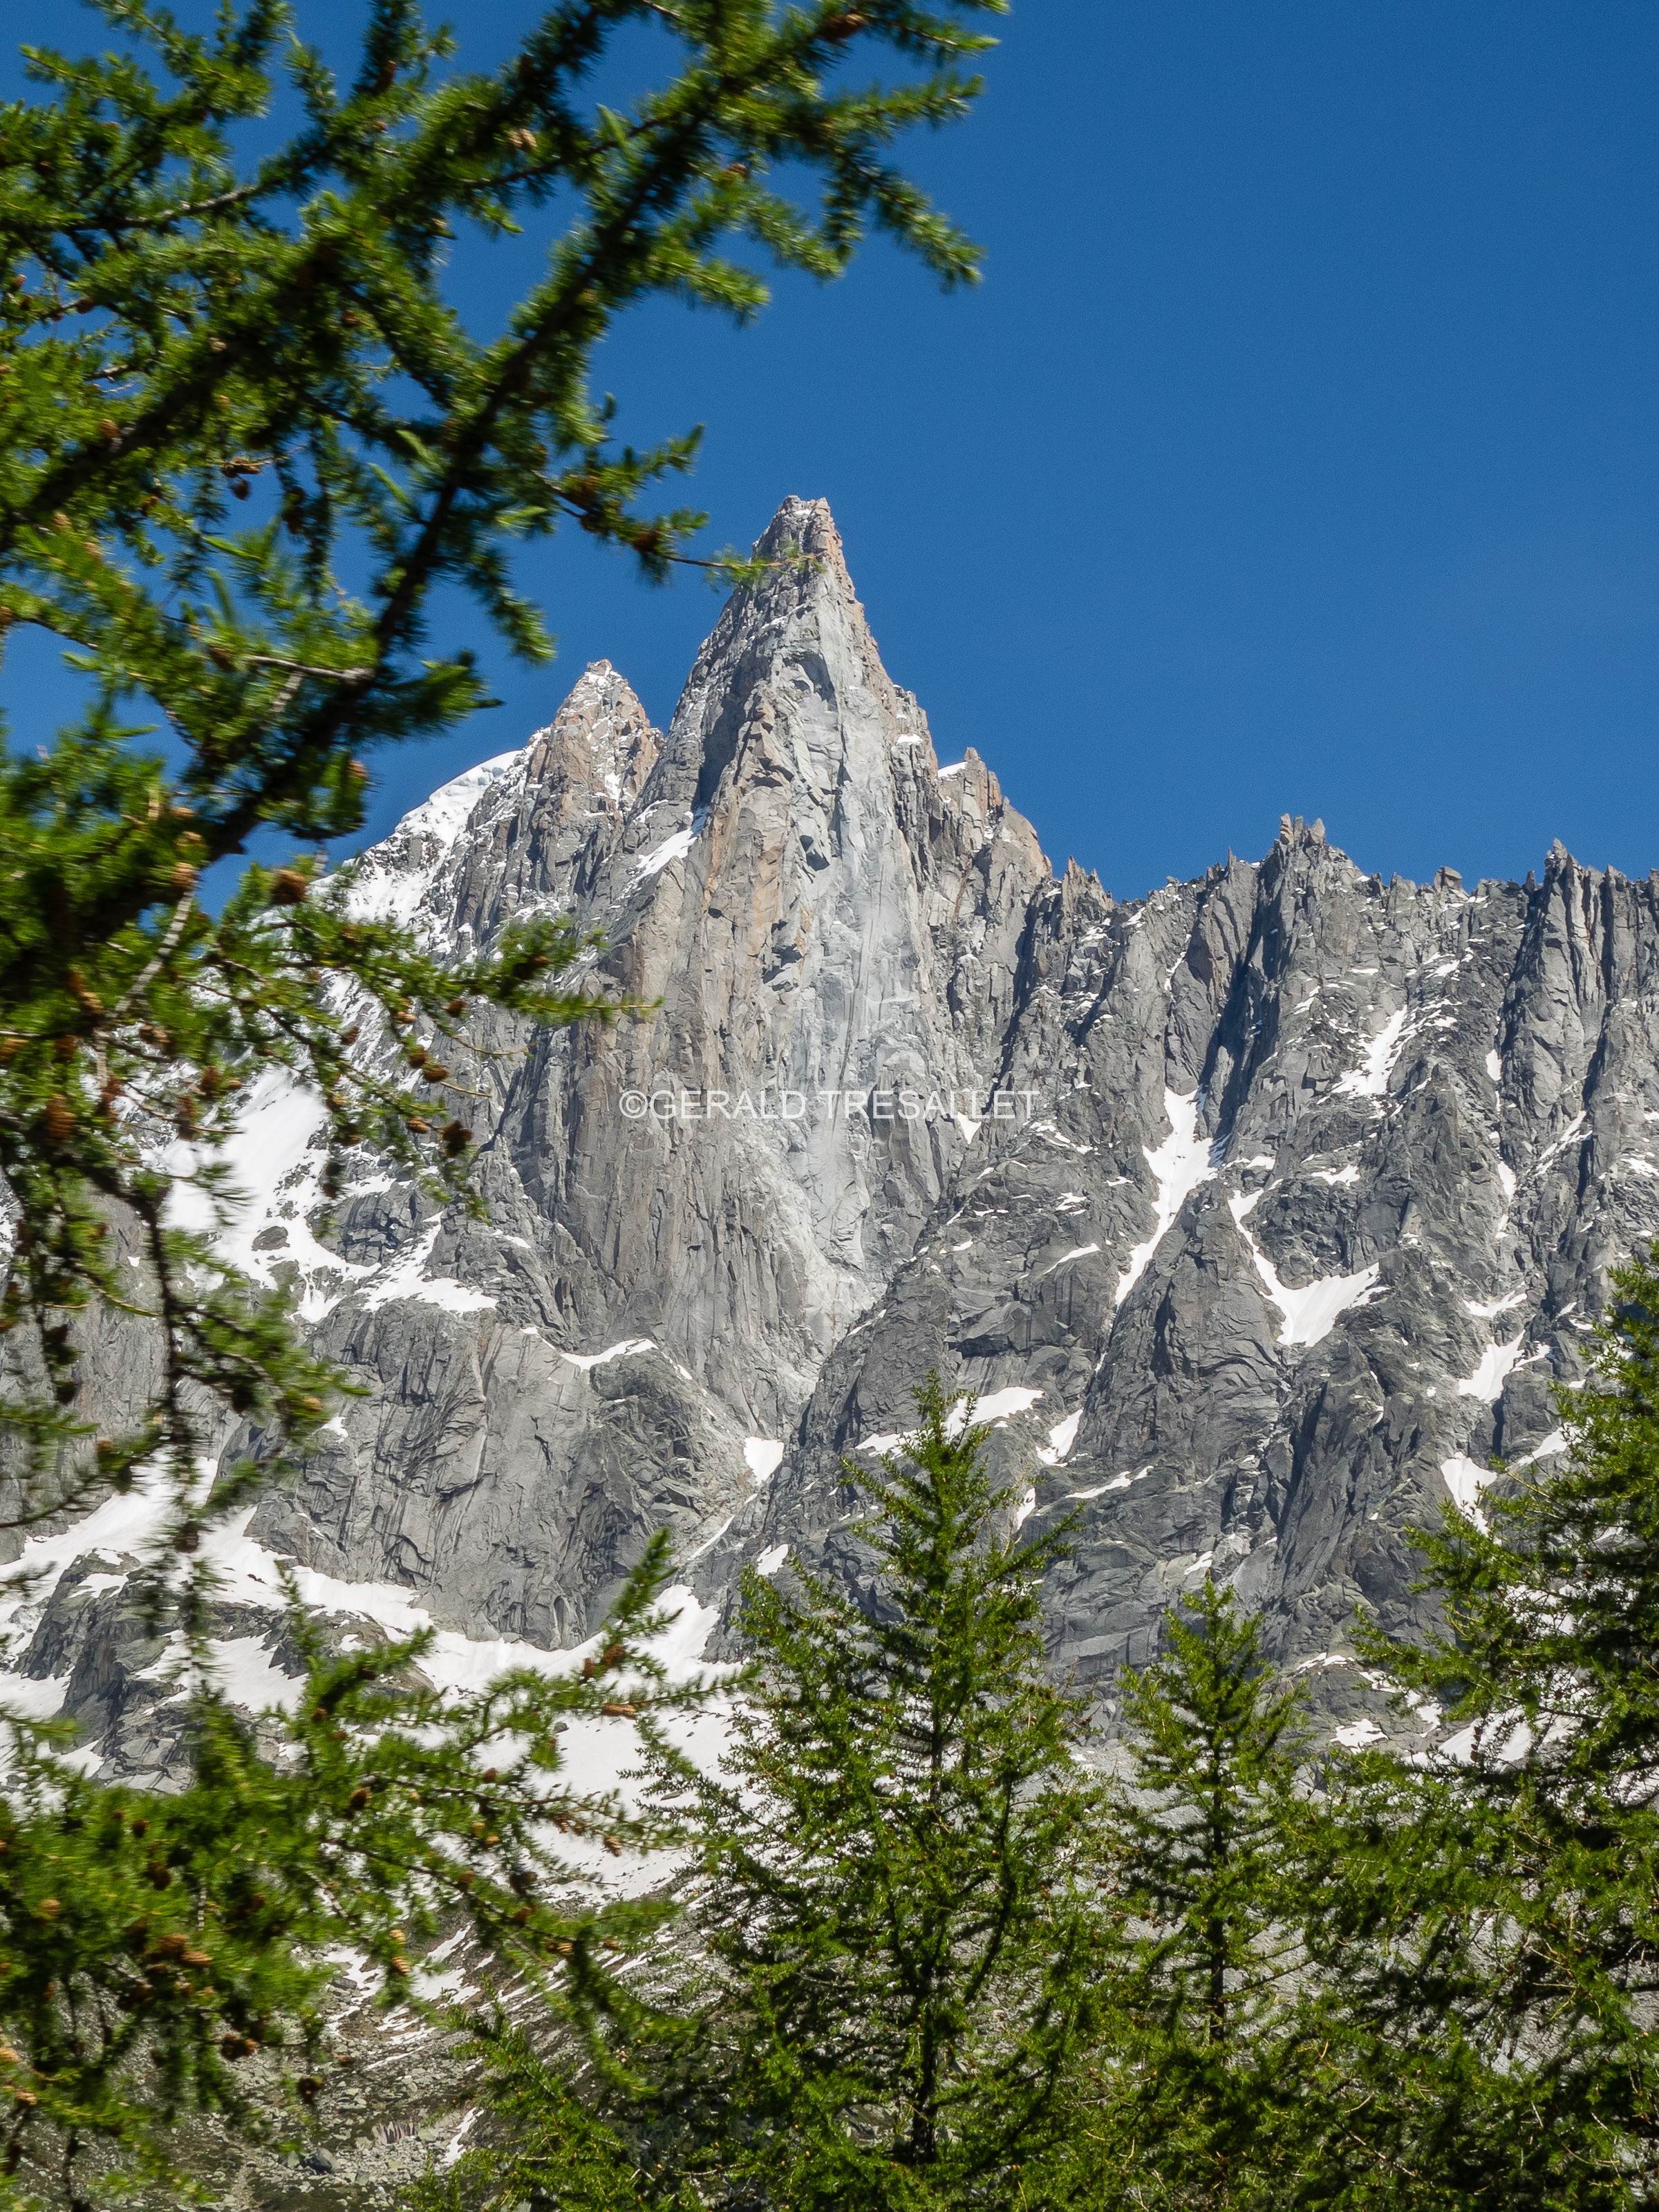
1263 1213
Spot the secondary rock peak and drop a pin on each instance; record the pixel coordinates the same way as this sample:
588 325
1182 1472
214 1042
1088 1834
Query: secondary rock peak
600 742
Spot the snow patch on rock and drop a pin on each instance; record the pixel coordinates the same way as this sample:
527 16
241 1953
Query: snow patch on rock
408 1279
671 849
1179 1164
1487 1380
1555 1443
763 1456
1370 1079
1465 1479
1061 1437
1078 1252
997 1407
588 1360
394 878
1357 1734
1312 1312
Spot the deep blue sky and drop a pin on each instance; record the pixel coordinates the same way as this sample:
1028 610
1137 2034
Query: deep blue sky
1300 450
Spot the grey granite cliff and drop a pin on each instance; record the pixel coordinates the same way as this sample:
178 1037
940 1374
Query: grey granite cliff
1263 1213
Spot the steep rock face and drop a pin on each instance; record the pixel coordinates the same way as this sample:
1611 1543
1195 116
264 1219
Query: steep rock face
1263 1213
687 1209
1330 1177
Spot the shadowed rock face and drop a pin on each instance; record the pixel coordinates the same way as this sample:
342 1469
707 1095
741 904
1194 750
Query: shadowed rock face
1263 1213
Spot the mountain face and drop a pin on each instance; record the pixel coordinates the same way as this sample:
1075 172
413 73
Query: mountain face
1262 1213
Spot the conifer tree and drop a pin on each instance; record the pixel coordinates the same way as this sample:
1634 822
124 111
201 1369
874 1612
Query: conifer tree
897 1899
1199 2088
244 437
895 1929
182 330
156 1941
1495 1910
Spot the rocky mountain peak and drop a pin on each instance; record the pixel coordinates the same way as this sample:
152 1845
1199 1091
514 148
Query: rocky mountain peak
1263 1212
600 747
1209 1193
790 686
539 839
